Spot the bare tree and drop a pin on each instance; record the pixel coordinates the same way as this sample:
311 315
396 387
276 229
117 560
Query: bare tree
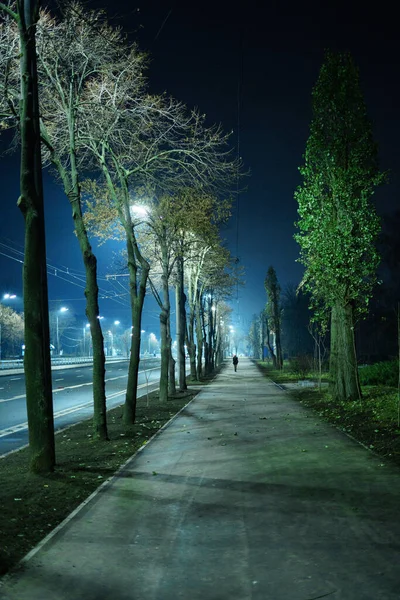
71 52
144 140
274 312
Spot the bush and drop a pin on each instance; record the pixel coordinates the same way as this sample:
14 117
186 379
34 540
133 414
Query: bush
301 365
381 373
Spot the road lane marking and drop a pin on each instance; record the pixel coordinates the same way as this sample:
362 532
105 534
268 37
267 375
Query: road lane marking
60 413
15 378
13 398
78 385
62 379
65 411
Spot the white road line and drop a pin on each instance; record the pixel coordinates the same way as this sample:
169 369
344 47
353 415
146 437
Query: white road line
62 379
15 378
13 398
79 375
60 413
78 385
64 412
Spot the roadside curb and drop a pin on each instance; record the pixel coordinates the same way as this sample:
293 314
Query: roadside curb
82 505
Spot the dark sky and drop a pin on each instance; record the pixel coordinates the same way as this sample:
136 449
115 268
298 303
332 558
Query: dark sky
199 52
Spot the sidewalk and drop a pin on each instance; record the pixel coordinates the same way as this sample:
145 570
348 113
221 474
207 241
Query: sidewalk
246 495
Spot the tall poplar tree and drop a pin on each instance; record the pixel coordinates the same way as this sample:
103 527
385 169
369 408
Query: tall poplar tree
274 312
338 225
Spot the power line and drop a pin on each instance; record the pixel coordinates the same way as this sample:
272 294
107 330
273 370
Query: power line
239 100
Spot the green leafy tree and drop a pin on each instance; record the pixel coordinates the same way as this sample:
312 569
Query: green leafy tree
338 225
253 337
11 331
274 313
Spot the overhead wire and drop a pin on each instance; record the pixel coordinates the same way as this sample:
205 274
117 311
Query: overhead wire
65 273
239 101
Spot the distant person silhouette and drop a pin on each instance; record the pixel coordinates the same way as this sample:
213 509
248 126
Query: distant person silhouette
235 361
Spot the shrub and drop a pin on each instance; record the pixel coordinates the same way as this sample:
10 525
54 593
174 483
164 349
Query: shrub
301 365
381 373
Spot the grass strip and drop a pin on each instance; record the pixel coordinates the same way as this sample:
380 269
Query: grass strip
373 421
32 505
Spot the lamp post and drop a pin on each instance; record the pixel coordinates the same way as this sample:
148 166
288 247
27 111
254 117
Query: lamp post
86 326
152 340
63 309
116 323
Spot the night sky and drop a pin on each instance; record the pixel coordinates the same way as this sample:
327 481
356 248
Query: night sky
199 54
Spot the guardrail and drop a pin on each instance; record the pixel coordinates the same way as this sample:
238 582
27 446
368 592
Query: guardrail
18 363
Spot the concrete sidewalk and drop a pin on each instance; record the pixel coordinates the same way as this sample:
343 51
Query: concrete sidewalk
246 495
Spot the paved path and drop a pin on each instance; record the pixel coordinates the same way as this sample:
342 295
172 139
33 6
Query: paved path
246 495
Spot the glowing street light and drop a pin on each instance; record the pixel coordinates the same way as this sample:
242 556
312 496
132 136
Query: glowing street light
139 211
116 323
63 309
152 340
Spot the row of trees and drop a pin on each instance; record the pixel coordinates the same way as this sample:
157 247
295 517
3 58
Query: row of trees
97 117
338 226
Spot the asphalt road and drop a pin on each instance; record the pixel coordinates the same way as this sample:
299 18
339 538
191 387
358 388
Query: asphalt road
72 397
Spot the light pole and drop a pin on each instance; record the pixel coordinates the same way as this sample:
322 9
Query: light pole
84 338
63 309
116 323
152 340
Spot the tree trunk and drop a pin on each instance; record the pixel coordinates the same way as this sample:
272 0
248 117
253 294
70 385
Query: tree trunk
70 179
279 359
191 346
210 348
171 362
200 339
164 322
262 335
164 356
92 313
137 300
180 324
39 400
271 350
344 381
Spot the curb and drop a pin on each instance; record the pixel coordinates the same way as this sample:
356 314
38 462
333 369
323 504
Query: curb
73 514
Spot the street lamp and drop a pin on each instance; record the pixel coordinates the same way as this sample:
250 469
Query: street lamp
152 340
116 323
63 309
84 339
